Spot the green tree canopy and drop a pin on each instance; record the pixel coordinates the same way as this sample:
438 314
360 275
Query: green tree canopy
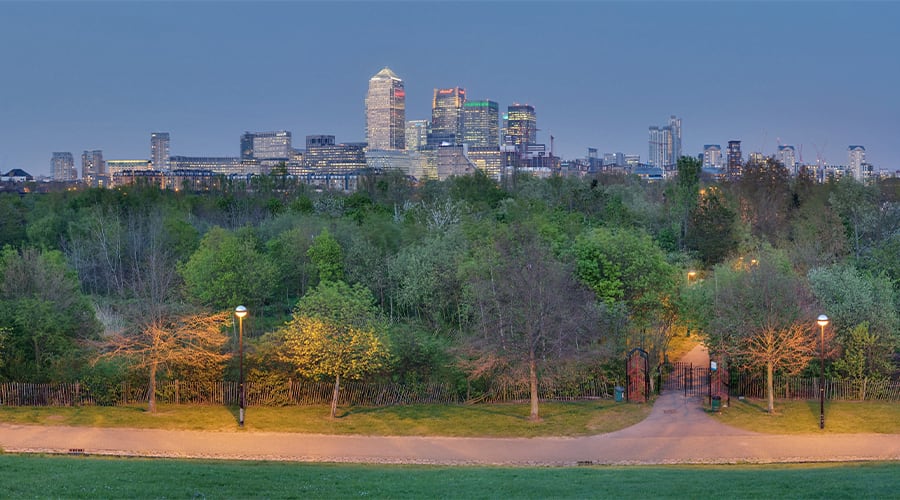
229 268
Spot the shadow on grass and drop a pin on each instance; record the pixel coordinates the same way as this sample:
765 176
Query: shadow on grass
761 408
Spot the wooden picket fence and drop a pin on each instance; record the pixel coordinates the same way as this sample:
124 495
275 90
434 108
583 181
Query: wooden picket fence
754 386
292 392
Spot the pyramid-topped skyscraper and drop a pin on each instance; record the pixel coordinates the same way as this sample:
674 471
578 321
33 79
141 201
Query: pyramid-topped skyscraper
386 112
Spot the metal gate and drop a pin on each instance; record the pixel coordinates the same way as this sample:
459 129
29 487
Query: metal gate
692 380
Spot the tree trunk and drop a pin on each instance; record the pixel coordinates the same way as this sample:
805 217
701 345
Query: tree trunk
533 382
770 387
151 398
334 398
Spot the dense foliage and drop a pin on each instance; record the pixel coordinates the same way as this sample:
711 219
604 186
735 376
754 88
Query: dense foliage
447 269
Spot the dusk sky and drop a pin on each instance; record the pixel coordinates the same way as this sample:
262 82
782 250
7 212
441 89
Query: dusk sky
104 75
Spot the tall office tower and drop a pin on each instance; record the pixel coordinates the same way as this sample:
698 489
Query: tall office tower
446 116
521 126
856 159
787 156
159 150
92 166
386 111
712 156
675 128
481 124
661 144
735 158
273 146
63 167
417 134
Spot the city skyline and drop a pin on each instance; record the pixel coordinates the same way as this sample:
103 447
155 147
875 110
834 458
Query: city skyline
86 76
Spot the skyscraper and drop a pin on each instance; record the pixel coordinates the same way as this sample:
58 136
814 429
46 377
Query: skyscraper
521 126
856 158
735 158
446 116
386 111
481 124
665 144
159 150
675 127
660 147
63 167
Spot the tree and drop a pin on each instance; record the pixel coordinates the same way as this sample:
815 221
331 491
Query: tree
229 268
328 256
532 316
764 197
761 317
45 313
711 227
688 186
192 340
335 332
854 299
626 266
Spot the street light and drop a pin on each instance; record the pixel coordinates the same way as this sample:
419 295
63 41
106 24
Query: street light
241 313
822 320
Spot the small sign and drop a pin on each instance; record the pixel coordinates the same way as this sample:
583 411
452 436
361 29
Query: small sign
712 365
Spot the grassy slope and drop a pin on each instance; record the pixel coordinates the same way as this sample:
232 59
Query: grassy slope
559 419
87 477
801 417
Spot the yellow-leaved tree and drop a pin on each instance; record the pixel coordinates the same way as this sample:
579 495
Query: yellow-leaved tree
335 333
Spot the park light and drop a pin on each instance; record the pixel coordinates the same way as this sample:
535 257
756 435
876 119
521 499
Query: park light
822 321
241 313
692 275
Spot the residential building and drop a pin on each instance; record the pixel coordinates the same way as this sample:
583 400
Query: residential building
787 155
856 160
93 168
63 167
159 150
734 159
386 111
665 144
712 156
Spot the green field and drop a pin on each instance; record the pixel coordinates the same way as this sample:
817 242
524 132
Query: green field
88 477
506 420
802 417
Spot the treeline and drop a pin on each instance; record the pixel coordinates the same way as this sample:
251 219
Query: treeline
463 281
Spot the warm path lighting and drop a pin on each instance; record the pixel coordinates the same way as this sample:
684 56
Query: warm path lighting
822 320
241 313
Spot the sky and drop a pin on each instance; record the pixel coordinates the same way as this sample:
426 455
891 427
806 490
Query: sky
819 75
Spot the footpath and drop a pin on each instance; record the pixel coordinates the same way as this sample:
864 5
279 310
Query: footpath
677 431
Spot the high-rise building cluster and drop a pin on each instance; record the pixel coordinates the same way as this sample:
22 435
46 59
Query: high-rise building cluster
462 135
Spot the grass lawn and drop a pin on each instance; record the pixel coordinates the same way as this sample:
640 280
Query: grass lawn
37 476
507 420
802 417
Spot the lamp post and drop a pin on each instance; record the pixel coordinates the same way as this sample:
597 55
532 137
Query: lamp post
822 320
241 312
